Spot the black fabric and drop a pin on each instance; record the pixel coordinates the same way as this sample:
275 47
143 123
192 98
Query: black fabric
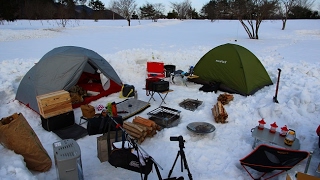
58 122
99 124
210 87
72 132
267 158
124 158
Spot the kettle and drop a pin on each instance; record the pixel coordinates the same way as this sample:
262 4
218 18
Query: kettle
290 137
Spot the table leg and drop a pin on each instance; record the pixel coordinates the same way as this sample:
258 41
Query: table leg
254 143
163 98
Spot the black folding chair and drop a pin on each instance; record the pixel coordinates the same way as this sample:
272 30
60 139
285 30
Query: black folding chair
266 159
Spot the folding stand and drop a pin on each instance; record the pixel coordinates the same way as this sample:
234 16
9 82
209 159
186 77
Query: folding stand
165 93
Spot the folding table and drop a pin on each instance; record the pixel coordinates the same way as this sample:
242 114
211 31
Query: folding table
165 93
273 138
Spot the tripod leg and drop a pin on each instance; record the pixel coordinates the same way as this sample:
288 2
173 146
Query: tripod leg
170 172
183 157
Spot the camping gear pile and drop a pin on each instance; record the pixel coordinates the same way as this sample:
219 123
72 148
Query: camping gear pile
86 77
16 134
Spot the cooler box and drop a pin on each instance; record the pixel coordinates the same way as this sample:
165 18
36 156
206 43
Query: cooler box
67 158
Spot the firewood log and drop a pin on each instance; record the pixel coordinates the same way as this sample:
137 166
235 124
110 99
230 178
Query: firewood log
143 121
219 113
225 98
133 126
133 134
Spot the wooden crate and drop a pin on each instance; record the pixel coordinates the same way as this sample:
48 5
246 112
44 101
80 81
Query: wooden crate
54 103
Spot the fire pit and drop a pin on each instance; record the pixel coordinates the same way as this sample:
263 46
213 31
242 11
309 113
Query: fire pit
165 117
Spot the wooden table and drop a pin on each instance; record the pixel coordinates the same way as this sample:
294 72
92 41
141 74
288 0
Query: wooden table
273 138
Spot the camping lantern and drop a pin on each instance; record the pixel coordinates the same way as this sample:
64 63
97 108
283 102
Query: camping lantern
261 124
290 137
273 127
284 130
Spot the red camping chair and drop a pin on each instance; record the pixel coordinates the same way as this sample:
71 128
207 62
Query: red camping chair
155 70
266 159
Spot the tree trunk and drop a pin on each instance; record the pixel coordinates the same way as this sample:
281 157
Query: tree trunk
284 21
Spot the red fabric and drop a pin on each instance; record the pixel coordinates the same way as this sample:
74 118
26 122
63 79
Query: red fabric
114 87
318 130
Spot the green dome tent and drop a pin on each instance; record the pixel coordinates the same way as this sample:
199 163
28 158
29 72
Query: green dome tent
236 69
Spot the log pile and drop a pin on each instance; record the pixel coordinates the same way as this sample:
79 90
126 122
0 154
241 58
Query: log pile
141 128
225 98
219 113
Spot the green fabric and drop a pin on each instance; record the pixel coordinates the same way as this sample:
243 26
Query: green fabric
234 67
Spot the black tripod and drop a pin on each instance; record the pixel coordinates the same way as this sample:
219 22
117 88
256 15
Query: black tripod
183 156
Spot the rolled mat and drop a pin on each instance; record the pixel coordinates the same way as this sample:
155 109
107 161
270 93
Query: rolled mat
16 134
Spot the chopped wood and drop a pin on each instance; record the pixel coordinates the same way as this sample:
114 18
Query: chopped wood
225 98
133 126
133 134
146 122
219 113
126 127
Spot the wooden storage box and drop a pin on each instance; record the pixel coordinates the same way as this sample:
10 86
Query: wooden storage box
54 103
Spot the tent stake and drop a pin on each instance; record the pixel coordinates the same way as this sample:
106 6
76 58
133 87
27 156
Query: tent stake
275 96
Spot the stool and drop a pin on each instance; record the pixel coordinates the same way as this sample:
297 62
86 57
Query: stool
165 93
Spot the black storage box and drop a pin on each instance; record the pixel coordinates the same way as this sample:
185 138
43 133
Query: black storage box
58 122
165 117
149 83
160 86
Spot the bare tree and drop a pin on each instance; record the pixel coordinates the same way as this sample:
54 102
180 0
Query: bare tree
183 9
159 9
284 9
251 13
124 8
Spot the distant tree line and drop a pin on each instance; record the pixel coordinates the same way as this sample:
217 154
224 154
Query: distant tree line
250 13
11 10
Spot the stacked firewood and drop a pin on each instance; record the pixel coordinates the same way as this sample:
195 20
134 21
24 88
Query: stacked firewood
225 98
219 113
141 128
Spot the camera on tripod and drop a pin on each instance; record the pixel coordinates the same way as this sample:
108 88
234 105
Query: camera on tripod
183 157
174 138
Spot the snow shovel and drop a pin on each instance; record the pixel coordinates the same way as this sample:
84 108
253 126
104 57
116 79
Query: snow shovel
275 96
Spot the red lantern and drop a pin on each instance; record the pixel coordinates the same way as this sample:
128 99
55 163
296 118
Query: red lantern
273 127
284 130
261 124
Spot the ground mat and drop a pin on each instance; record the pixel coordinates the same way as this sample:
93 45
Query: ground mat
74 131
131 107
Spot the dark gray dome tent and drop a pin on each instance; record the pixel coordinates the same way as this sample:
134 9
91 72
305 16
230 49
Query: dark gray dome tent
63 68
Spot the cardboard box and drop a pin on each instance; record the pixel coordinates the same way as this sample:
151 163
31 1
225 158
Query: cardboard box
54 103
